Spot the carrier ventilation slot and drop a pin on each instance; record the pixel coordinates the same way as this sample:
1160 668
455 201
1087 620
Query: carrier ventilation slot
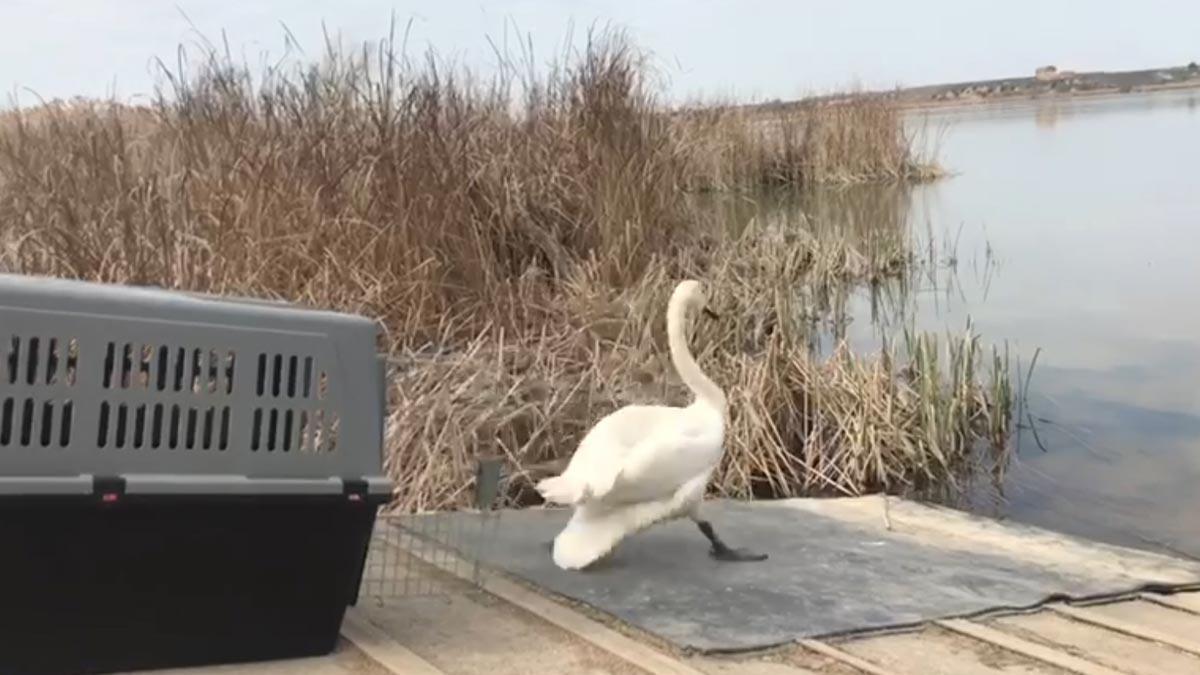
278 427
39 362
168 368
26 423
290 376
163 426
288 430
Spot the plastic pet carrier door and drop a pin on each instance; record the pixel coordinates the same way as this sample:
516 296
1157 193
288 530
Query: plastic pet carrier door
184 480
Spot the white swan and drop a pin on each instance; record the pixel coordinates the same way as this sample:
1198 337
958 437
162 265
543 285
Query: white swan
644 464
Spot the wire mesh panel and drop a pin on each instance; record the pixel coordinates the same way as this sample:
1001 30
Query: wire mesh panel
433 553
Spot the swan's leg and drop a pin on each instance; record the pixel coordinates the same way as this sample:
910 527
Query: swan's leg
721 551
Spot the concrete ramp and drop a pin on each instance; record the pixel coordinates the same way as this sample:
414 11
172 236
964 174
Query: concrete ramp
836 566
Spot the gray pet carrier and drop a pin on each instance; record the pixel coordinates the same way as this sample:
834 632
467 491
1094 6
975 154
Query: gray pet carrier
183 479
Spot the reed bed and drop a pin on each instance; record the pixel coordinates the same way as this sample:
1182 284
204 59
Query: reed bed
859 139
926 411
517 238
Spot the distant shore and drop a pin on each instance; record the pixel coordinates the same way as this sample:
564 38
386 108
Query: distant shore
1048 83
1075 86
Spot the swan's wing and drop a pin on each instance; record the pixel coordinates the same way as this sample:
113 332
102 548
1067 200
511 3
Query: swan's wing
604 451
593 532
664 461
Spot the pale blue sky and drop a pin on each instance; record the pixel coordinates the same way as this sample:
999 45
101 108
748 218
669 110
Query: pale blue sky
748 49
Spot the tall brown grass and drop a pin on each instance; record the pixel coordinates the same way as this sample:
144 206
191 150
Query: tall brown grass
370 183
518 239
861 139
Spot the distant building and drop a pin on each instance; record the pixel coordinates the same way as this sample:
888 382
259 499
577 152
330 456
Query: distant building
1053 74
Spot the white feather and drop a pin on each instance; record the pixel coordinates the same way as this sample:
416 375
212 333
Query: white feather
642 464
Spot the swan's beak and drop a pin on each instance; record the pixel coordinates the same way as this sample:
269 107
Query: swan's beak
711 314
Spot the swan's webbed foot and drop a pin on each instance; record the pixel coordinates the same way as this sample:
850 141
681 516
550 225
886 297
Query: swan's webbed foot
720 551
736 555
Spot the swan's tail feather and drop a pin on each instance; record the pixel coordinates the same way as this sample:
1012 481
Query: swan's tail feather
593 532
562 490
586 539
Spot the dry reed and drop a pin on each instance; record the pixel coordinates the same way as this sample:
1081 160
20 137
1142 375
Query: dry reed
859 139
519 256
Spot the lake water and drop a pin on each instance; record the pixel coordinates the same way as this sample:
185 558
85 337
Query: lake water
1090 211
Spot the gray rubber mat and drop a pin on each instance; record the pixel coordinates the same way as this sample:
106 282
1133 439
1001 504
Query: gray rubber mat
824 576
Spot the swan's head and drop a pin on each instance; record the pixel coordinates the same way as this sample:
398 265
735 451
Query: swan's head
690 293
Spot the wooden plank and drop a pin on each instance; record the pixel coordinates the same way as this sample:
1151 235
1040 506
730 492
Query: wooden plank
598 634
304 666
1116 650
844 657
711 666
1033 650
594 632
382 648
1089 615
1192 600
1189 602
934 650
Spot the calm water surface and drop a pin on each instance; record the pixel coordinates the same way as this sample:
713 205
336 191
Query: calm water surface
1091 213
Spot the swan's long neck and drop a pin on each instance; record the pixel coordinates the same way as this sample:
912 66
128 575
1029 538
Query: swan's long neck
706 390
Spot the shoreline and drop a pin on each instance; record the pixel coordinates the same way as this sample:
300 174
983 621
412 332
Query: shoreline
942 105
1048 84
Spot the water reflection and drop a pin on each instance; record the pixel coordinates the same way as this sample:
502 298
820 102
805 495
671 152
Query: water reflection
1070 228
873 221
917 265
1047 116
